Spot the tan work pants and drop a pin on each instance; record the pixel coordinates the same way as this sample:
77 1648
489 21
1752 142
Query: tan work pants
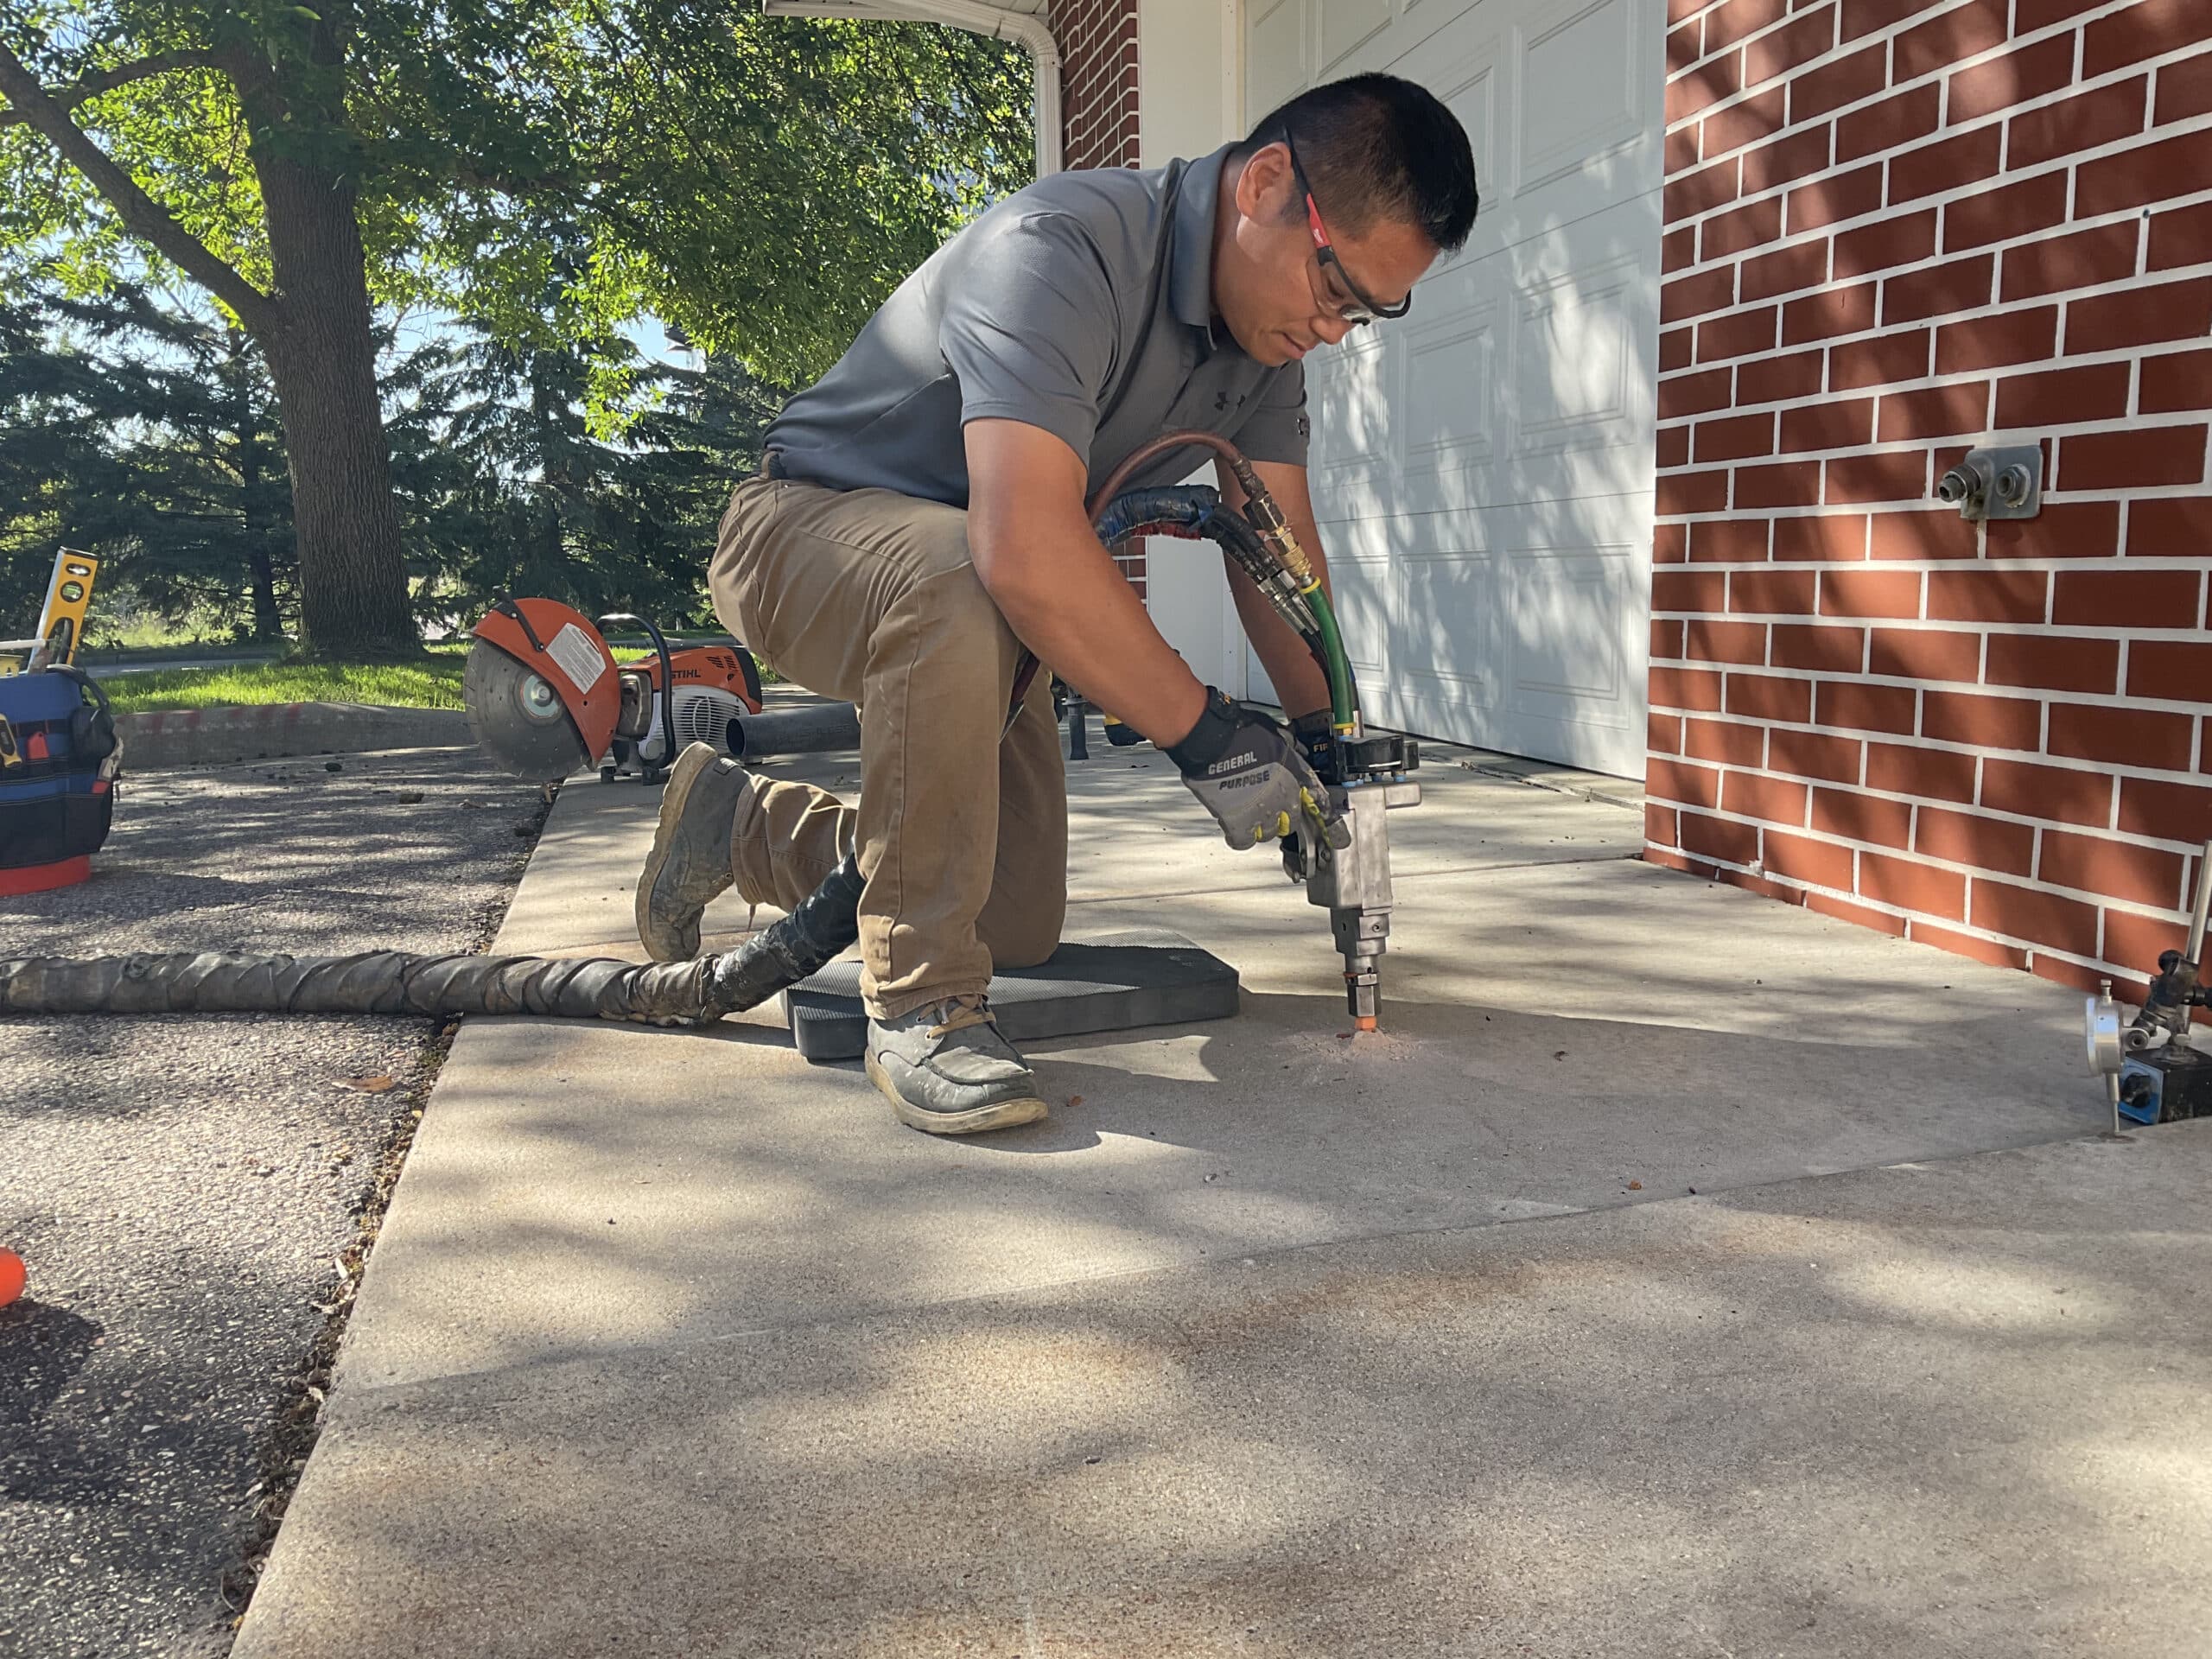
869 595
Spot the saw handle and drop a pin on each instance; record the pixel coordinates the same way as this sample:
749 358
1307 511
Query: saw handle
750 670
667 685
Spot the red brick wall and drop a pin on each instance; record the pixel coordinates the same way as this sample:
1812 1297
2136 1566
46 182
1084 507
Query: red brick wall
1895 228
1098 81
1099 100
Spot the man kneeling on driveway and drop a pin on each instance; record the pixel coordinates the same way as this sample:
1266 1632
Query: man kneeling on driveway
920 520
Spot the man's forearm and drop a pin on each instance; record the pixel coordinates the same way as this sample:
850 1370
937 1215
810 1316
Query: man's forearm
1087 623
1038 557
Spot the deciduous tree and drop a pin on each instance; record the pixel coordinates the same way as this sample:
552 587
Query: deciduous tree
547 168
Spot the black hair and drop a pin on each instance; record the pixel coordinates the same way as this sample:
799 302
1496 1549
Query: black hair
1378 146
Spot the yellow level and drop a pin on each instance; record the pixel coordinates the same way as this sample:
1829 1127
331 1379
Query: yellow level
68 596
61 621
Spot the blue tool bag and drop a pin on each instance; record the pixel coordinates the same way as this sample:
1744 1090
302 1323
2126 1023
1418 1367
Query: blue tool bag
59 760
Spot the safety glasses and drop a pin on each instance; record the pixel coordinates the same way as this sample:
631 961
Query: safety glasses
1358 309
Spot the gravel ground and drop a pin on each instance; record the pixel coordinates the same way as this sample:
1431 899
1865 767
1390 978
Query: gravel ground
185 1190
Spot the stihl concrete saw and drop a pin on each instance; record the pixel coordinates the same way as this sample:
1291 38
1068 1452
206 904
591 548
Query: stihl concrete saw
545 698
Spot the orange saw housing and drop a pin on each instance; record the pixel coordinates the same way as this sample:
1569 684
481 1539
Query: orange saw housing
566 651
715 667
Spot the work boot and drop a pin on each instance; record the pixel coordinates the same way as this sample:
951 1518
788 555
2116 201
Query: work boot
690 863
948 1071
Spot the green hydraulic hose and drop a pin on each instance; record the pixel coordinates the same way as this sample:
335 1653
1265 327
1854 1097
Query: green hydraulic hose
1266 515
1343 702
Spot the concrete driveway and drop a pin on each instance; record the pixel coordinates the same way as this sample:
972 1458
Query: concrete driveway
183 1186
1826 1323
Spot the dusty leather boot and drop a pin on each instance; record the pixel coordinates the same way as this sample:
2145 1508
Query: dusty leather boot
690 864
946 1071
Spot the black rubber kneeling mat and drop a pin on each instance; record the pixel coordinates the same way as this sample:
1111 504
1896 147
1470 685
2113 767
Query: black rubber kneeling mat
1115 983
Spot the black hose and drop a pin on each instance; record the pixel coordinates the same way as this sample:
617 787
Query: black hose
804 943
1196 510
1134 513
813 729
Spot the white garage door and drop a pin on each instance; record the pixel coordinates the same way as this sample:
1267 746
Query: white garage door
1483 470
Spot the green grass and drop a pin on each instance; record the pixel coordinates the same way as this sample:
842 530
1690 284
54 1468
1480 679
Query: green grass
92 657
433 684
105 630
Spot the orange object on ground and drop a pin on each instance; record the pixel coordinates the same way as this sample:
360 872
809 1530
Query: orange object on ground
38 878
12 1277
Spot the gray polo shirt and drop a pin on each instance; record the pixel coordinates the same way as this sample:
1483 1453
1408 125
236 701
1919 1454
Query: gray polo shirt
1083 305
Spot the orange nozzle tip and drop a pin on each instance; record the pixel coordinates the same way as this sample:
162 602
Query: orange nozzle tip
1364 1022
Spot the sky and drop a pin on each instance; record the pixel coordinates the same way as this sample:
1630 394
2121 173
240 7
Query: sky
647 334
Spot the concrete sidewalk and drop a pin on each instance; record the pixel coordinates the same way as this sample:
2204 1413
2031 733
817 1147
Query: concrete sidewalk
673 1344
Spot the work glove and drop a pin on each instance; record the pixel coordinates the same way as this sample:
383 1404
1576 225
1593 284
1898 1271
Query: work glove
1245 769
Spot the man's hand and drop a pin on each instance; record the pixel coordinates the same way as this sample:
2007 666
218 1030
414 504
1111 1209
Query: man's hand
1245 769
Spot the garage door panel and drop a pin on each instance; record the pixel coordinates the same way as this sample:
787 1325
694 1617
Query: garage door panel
1504 394
1274 55
1358 385
1580 91
1483 471
1347 25
1451 383
1470 81
1547 490
1514 628
1577 362
1567 653
1446 645
1437 380
1361 595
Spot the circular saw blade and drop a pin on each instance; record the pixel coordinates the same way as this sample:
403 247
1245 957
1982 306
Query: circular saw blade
517 718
